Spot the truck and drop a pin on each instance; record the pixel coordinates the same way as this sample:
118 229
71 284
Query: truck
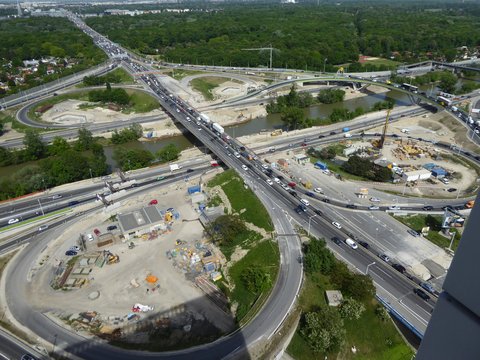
320 165
174 167
204 118
454 108
469 204
347 135
346 129
218 128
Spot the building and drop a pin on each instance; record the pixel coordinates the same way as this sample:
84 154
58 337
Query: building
439 172
301 158
416 175
145 220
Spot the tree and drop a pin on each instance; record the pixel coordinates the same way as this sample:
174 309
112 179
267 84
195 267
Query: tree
293 117
318 258
447 82
85 139
359 287
34 146
168 153
59 145
330 96
132 133
256 279
351 309
323 330
98 162
132 159
381 312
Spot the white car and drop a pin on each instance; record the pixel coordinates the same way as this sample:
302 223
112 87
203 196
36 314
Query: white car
244 167
394 207
90 237
269 182
336 224
304 202
188 119
237 155
43 227
265 166
285 187
277 180
373 207
13 221
351 243
374 199
318 190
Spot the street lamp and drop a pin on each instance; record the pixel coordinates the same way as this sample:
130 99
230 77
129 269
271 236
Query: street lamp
309 219
368 266
41 208
54 343
324 64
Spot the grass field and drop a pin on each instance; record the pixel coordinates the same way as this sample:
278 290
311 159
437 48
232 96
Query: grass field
207 84
241 198
264 255
179 74
141 102
373 338
417 222
381 61
337 169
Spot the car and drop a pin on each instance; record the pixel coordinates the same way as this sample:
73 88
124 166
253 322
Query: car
413 232
199 129
90 237
244 167
326 200
96 232
374 199
13 221
318 212
56 196
198 123
43 227
237 155
293 193
422 294
309 193
153 202
384 257
332 132
428 287
160 177
373 207
318 190
285 187
265 166
28 356
298 210
399 268
277 180
321 136
111 227
74 202
269 182
336 224
292 185
190 171
74 248
70 253
451 190
351 243
336 240
364 244
427 208
302 207
394 207
304 202
351 206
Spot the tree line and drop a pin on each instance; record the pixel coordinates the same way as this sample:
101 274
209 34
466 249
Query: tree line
304 36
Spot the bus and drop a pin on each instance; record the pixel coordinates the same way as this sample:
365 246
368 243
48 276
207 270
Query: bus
409 87
444 101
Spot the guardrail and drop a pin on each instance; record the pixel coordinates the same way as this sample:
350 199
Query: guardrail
399 317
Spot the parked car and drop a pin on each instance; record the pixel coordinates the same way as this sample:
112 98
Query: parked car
90 237
399 268
384 257
153 202
374 199
428 287
422 294
309 193
318 190
111 227
293 193
70 253
96 232
451 190
277 180
74 248
336 224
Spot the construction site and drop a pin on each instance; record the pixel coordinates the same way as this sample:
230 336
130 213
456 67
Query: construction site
148 272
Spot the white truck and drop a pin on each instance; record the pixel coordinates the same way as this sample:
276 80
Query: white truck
218 128
174 167
204 118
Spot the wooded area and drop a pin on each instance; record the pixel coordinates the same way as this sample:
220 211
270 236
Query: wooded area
305 35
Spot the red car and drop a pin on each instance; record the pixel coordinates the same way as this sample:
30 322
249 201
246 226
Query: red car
292 185
153 202
96 232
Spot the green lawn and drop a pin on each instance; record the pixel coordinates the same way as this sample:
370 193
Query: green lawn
264 255
242 198
125 77
417 222
207 84
373 338
179 74
386 62
337 169
141 102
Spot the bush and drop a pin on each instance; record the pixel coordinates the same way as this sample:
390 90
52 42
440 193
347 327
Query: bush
381 312
132 133
350 309
168 153
256 280
323 330
330 96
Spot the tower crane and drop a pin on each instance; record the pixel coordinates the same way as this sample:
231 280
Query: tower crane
270 48
379 143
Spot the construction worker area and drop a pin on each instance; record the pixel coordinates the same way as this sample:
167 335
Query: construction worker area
145 265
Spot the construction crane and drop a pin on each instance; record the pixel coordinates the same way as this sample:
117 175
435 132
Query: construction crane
262 49
379 143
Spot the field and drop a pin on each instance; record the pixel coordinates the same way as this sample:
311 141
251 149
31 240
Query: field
206 85
380 61
141 102
334 167
417 222
241 198
179 74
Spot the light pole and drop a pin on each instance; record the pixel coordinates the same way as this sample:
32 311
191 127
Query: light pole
451 241
41 208
54 343
368 266
309 219
324 64
91 176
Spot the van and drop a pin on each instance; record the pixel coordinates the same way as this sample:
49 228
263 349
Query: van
351 243
305 202
347 135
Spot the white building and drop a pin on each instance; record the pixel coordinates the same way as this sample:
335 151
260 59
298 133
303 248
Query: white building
415 175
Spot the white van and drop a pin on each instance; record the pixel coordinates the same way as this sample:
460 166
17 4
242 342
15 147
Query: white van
347 135
304 202
351 243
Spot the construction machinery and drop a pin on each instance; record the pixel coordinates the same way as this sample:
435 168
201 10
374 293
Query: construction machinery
111 258
379 143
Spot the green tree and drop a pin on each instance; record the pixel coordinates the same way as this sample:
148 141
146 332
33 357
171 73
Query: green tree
256 279
318 258
168 153
132 159
294 118
447 82
85 139
34 146
58 146
351 309
98 162
323 330
330 96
